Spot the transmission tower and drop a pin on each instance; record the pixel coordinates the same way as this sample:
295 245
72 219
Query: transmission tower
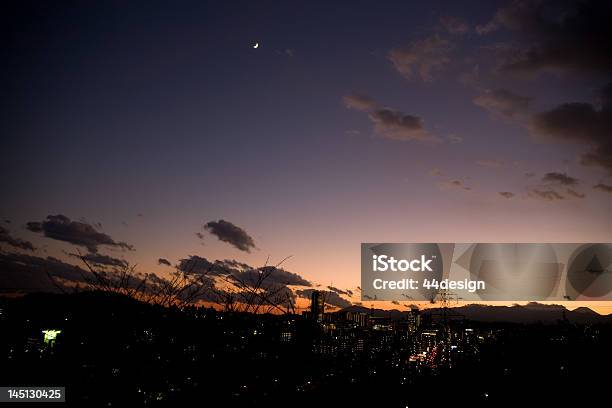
446 299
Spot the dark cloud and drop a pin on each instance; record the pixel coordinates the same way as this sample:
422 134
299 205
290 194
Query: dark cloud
359 102
331 298
25 273
396 125
202 266
340 291
546 195
7 238
163 261
567 35
503 103
34 226
232 234
560 178
395 302
506 194
422 57
606 188
61 228
199 235
455 184
390 123
454 25
581 123
197 265
459 184
20 272
97 259
575 193
234 275
274 275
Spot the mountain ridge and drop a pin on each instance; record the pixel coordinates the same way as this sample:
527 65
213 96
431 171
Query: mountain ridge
530 313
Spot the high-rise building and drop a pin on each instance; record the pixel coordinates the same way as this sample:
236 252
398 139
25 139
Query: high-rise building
317 305
359 318
414 320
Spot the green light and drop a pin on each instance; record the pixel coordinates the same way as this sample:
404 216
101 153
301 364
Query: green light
50 335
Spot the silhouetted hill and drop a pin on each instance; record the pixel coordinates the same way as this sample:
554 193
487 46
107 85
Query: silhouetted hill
529 313
94 304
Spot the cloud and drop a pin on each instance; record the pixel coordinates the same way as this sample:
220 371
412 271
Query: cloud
396 125
560 178
163 261
454 25
26 273
490 163
556 35
455 184
232 234
340 291
390 123
101 260
231 277
436 173
202 266
503 103
331 298
61 228
575 193
6 237
359 102
423 57
194 264
606 188
275 276
395 302
34 226
546 195
581 123
506 194
21 272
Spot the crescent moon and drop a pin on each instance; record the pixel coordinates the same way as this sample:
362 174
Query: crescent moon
256 45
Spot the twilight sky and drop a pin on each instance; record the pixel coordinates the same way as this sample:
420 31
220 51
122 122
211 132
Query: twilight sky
366 121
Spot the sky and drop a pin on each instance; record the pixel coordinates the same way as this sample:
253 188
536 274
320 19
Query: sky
364 121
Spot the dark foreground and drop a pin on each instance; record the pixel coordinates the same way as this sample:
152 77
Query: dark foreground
113 351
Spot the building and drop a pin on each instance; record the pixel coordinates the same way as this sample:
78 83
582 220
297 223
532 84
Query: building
414 320
317 305
360 319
